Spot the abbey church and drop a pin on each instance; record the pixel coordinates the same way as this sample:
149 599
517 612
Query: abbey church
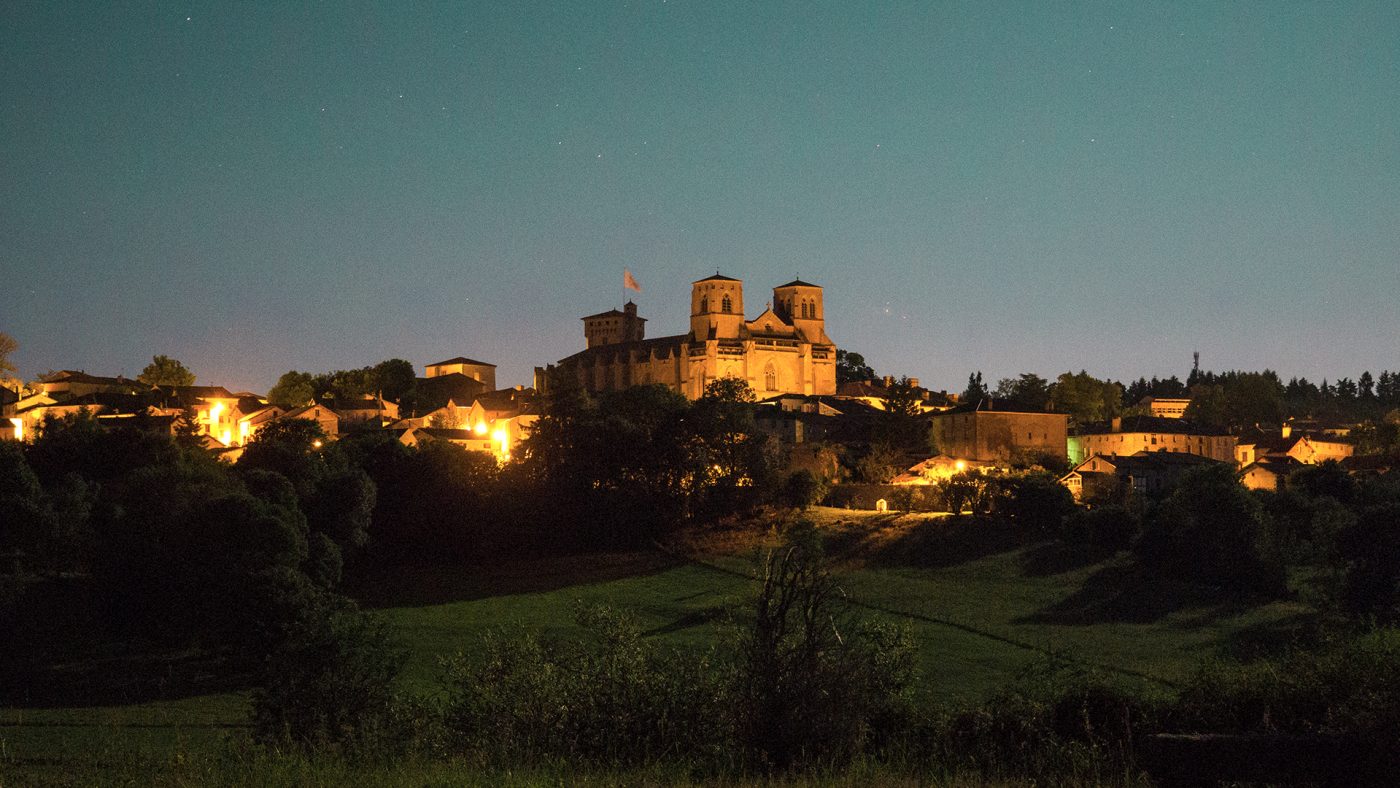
785 350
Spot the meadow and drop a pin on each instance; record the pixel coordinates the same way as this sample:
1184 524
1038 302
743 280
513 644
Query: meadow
981 605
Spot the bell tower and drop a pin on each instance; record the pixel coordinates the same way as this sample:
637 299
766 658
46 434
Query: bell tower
800 304
716 308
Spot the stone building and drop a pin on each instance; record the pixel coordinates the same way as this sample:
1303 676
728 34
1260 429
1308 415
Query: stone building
985 431
1132 434
785 350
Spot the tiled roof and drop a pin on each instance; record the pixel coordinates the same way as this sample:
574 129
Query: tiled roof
461 360
800 283
1157 424
718 277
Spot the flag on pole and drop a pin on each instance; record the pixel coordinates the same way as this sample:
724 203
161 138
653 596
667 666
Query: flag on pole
629 282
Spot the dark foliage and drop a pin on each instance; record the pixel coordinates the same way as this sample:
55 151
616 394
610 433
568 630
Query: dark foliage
1211 530
813 686
329 685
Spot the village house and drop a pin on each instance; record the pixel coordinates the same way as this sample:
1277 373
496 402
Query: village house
1151 472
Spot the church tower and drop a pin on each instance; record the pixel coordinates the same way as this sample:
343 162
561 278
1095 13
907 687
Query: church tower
800 304
716 308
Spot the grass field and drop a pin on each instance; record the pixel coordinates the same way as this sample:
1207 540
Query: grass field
980 607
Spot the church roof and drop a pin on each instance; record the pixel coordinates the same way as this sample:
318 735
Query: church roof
800 283
718 277
461 360
613 313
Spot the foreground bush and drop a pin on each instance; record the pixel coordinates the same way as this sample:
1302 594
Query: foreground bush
330 686
609 698
812 686
1056 723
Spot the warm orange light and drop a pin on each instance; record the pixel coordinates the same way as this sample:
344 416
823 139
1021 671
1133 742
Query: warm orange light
243 432
960 465
19 428
227 437
481 428
215 411
316 444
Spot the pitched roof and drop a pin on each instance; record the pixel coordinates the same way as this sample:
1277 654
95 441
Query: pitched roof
448 433
461 360
296 412
800 283
718 277
991 405
1158 424
613 313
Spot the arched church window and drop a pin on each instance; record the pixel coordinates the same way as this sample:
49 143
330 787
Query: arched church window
704 304
770 377
726 305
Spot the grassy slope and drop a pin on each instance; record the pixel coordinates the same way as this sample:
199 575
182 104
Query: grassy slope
906 564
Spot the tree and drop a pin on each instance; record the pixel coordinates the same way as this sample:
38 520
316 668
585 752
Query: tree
811 683
1086 398
976 390
8 345
293 390
1029 391
851 367
166 371
881 464
1212 530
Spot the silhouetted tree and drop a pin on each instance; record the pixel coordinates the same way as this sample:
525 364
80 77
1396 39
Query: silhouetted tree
851 367
166 371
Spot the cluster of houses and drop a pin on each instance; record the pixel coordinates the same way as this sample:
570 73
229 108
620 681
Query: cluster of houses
458 403
784 355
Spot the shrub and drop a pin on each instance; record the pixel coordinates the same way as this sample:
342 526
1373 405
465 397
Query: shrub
1211 530
1345 685
1056 723
1370 554
1109 527
802 489
1036 502
609 698
330 686
812 686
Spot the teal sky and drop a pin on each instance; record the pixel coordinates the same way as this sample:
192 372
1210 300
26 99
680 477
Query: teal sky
1008 187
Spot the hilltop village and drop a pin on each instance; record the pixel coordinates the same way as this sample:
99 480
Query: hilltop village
824 406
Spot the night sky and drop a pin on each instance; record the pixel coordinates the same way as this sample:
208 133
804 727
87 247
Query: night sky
1009 187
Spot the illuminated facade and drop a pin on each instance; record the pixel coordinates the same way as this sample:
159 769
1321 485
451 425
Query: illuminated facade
785 350
985 432
1127 436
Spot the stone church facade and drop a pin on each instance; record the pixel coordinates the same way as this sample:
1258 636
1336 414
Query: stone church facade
785 350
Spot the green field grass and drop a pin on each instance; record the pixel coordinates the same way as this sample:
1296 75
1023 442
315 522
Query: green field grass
980 607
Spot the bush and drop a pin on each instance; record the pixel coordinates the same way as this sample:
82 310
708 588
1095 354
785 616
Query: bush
330 686
1346 685
802 489
1036 502
1109 527
1056 723
610 698
1370 554
1211 530
812 686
